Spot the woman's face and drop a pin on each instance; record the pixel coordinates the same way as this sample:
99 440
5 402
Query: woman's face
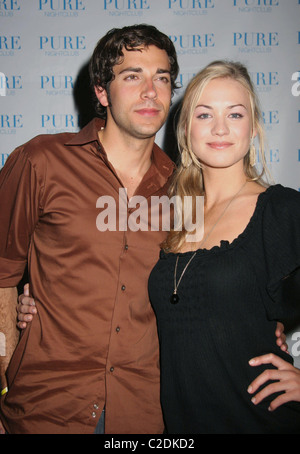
221 127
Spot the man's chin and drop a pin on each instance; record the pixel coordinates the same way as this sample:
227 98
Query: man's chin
149 130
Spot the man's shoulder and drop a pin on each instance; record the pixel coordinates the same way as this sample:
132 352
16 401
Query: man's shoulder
45 141
45 144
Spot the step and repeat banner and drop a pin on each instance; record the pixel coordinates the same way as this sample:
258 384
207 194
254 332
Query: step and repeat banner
45 46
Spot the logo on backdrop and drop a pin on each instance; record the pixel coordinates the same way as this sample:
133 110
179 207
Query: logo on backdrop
256 42
11 121
265 81
9 7
191 7
3 157
193 44
126 7
272 156
56 123
256 6
62 8
270 119
183 79
10 124
2 84
9 84
9 45
62 45
57 85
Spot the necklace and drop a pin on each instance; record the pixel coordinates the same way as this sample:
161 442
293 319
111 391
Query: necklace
174 297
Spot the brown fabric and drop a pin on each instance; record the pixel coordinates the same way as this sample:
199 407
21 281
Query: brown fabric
94 340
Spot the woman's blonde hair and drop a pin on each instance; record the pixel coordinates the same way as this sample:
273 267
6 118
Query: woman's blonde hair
188 180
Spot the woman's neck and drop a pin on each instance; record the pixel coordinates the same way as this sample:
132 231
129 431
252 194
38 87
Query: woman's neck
222 184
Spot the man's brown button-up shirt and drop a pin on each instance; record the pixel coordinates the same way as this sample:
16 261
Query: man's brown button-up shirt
94 340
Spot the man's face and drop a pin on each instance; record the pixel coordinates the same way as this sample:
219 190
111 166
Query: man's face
140 94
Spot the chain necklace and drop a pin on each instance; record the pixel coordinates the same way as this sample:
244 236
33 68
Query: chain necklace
174 297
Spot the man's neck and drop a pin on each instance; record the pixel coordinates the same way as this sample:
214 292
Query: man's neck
130 157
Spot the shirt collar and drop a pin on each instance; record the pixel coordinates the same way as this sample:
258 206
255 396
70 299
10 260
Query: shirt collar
89 133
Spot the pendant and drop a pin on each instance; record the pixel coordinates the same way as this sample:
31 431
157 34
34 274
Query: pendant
174 298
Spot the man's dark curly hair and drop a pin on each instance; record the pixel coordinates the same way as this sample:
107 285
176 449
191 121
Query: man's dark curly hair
108 53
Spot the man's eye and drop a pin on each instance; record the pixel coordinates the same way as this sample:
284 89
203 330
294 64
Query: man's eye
164 79
131 77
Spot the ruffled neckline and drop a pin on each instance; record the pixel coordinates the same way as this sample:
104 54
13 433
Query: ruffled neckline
225 244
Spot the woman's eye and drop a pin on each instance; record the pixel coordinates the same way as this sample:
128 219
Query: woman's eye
236 115
203 116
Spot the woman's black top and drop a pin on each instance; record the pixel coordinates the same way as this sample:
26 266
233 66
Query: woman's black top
230 298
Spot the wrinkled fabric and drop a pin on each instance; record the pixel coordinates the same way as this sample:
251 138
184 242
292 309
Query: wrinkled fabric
94 339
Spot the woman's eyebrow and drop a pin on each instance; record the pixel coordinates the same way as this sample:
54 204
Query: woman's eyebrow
228 107
237 105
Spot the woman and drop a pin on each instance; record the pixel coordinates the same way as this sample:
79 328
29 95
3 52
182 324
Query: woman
217 300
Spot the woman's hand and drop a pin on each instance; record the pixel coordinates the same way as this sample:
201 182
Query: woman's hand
287 380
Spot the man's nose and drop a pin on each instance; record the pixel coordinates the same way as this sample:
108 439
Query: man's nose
149 90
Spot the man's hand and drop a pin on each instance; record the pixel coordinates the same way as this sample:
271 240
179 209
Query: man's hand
281 337
2 430
26 308
8 304
287 380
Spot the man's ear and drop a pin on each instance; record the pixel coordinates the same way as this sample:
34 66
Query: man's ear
101 96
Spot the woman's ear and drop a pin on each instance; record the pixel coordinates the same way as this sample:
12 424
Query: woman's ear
101 96
254 132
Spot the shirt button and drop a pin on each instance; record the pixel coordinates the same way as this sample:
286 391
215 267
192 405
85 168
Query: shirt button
126 247
112 369
94 414
118 329
123 287
96 407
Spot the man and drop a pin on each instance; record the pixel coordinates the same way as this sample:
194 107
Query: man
94 342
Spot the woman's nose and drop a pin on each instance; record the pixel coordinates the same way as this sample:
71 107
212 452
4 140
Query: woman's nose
220 126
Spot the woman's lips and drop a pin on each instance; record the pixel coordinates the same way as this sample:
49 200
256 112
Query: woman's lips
219 145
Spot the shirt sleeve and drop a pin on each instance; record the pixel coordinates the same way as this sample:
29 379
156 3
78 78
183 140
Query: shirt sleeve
19 212
281 242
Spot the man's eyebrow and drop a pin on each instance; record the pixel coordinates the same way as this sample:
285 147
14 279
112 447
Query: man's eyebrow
163 71
140 70
131 69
